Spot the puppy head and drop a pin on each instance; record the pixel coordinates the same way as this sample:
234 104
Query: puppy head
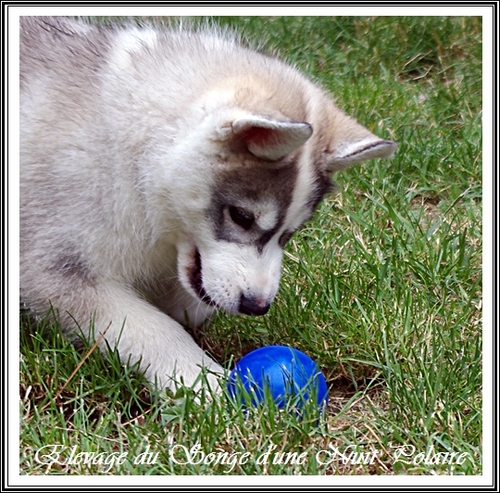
264 177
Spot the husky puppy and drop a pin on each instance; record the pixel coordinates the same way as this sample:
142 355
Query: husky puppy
162 173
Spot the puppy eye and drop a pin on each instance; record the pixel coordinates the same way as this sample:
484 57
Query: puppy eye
241 217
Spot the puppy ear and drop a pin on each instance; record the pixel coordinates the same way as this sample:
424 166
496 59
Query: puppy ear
270 139
353 152
353 143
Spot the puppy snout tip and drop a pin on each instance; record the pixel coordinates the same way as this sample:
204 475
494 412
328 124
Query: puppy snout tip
250 305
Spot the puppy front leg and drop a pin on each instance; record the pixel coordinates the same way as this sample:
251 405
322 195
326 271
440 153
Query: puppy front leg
142 333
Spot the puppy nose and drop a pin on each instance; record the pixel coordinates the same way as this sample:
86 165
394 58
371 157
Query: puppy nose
253 305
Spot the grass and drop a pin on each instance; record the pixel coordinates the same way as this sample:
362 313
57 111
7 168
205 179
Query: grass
382 288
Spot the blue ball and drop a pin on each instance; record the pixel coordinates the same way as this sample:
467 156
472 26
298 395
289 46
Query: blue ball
290 377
